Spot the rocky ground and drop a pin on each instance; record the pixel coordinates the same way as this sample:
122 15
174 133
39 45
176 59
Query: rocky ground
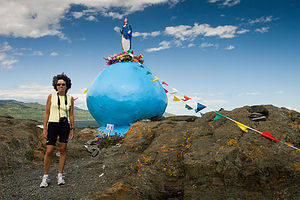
182 157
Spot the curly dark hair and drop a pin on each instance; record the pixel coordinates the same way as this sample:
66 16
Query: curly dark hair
63 77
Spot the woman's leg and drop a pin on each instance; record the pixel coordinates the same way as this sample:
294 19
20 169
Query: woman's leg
62 158
48 158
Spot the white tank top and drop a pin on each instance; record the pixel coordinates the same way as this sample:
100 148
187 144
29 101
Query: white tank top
54 114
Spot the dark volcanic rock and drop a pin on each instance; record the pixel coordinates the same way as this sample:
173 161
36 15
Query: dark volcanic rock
22 142
19 142
259 109
182 157
196 158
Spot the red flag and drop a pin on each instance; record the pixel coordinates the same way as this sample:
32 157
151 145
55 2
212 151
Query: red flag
185 98
267 134
75 99
165 83
166 90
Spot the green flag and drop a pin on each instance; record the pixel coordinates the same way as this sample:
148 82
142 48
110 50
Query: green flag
188 107
216 118
148 72
218 115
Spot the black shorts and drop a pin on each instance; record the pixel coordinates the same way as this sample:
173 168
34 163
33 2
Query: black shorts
55 130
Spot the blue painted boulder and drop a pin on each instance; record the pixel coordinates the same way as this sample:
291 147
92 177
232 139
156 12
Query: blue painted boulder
124 93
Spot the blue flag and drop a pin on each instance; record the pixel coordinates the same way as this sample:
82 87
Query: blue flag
199 107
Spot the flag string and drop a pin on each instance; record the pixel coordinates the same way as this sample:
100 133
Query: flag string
244 128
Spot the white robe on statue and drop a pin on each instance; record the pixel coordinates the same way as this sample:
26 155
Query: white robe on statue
125 44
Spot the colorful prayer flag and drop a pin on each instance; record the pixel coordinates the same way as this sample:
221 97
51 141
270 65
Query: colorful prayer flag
166 90
188 107
75 99
185 98
242 126
156 79
218 115
148 72
85 90
267 134
165 83
216 118
176 99
199 107
174 91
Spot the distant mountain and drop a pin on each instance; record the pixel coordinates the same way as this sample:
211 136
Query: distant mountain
35 111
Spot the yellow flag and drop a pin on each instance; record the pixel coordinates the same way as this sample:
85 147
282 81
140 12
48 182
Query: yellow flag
85 90
176 99
156 79
242 126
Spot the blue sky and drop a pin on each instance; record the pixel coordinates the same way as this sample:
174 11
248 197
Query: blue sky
222 53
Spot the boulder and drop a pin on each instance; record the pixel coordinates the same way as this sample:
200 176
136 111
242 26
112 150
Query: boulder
20 142
197 158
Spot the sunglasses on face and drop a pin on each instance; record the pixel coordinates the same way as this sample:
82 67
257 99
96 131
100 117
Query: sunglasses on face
61 84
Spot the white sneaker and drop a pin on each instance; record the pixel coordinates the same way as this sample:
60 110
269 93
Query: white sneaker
60 179
45 182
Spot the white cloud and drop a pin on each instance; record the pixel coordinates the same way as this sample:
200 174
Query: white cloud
28 92
178 43
18 54
262 20
185 32
228 3
37 53
262 30
206 44
253 93
162 45
91 18
7 62
6 58
5 47
54 54
77 14
145 35
32 18
213 1
87 13
191 45
279 92
26 49
230 47
117 29
34 92
36 18
114 15
242 31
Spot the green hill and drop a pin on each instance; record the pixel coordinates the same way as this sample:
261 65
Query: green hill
35 111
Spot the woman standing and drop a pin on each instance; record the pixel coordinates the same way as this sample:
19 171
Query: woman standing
58 122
